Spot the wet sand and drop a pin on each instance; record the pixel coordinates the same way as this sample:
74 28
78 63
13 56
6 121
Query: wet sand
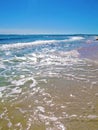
58 104
90 51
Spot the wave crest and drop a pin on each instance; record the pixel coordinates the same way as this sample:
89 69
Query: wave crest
38 42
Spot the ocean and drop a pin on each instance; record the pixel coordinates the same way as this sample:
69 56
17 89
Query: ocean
48 82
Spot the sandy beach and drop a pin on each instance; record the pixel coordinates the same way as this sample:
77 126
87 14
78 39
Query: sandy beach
90 51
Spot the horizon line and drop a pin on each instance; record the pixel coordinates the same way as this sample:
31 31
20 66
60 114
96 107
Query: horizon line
48 33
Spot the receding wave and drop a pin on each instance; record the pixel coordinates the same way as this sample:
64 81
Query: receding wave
27 44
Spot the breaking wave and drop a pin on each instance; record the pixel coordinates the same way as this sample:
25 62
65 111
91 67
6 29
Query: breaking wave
37 42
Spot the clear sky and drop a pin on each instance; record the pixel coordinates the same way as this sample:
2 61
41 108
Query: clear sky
49 16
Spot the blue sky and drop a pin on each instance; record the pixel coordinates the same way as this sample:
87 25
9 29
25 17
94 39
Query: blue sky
49 16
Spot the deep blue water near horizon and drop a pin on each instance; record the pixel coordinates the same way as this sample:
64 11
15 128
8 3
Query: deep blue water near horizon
27 38
14 38
44 79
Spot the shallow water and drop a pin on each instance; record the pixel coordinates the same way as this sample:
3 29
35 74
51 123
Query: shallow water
47 84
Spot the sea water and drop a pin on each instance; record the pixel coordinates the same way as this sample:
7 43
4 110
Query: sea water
48 82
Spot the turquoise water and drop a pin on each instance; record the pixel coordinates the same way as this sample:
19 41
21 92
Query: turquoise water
43 82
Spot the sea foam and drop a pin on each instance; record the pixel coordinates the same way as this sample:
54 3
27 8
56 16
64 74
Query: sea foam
37 42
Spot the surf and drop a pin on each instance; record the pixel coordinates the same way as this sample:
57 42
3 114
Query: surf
37 42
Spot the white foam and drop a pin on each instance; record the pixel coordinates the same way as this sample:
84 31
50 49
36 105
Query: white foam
2 66
19 58
60 126
23 81
27 44
1 91
38 42
75 38
41 109
61 58
7 53
16 90
2 88
1 94
73 53
92 117
44 117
